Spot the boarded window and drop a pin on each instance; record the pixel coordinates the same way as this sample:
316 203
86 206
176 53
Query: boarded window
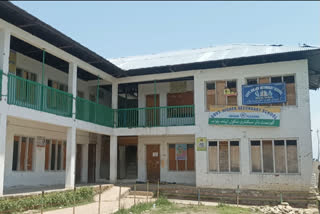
180 99
291 90
213 156
221 93
211 94
279 156
181 165
219 158
22 158
279 153
234 156
267 156
292 156
55 155
255 156
223 156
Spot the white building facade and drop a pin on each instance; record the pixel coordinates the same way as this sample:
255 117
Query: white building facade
65 119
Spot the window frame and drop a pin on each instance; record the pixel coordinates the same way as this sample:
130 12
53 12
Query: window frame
63 142
26 154
218 156
215 86
186 161
273 156
282 80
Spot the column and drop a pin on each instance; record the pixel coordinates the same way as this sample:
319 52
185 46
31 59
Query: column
3 135
71 157
113 158
72 85
4 58
114 95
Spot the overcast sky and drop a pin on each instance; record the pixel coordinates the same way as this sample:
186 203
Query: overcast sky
118 29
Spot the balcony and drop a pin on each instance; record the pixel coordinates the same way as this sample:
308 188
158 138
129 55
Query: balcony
33 95
155 116
93 112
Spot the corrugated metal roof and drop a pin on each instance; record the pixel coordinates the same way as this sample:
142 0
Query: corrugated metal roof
203 54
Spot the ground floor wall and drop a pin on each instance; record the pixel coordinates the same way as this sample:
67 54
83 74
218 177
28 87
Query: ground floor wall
166 175
37 170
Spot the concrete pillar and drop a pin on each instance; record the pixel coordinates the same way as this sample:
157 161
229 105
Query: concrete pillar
3 135
4 58
71 157
113 158
72 85
114 95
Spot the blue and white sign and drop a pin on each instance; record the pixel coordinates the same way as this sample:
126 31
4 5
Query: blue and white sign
264 93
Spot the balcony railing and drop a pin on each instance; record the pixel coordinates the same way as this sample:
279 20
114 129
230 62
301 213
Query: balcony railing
93 112
155 116
33 95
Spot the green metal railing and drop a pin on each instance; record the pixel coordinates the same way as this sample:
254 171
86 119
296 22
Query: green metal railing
93 112
30 94
155 116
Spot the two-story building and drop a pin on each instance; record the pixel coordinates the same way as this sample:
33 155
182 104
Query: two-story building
221 117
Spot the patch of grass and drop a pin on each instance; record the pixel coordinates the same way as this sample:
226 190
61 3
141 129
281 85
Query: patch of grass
50 200
165 206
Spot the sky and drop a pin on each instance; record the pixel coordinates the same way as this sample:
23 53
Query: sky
119 29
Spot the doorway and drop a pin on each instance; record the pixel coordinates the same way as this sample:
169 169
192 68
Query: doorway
153 163
152 115
92 163
128 157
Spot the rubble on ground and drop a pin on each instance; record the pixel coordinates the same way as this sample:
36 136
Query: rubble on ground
285 208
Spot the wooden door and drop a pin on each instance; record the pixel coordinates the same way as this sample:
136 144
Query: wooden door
92 163
152 115
153 163
78 163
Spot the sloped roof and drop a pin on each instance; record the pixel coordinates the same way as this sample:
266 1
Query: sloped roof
202 55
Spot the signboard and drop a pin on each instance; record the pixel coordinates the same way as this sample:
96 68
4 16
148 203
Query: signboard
245 116
264 93
181 151
201 144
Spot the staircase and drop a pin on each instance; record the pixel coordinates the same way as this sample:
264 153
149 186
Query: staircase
132 170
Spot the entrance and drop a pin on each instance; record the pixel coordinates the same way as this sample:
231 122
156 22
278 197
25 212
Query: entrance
78 163
152 115
92 163
153 163
128 157
105 158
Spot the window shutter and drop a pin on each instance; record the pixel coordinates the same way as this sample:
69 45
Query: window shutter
30 154
190 157
47 155
172 159
23 153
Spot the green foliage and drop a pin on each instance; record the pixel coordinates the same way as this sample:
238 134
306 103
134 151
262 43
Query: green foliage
54 199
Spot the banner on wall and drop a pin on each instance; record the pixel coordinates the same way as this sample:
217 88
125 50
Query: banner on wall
264 94
181 151
245 116
201 144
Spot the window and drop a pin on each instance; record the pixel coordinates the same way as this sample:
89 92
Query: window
274 156
290 86
182 161
224 156
80 94
180 99
221 93
23 148
26 74
58 85
55 155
